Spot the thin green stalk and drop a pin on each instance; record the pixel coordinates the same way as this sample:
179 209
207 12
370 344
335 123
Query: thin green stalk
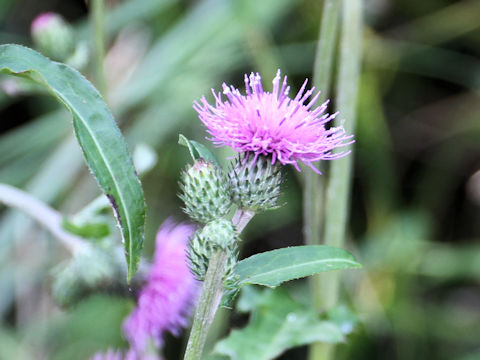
207 305
314 186
322 70
313 190
211 295
338 189
97 15
241 218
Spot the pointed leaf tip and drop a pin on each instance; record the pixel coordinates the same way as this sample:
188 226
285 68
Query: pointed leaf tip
274 267
198 150
99 137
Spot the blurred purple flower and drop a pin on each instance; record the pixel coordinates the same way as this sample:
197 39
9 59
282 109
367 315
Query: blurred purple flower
273 124
166 300
43 20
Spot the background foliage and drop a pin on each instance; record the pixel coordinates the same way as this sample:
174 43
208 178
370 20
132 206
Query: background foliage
415 219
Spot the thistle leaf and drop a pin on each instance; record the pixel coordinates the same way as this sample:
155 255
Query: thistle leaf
99 137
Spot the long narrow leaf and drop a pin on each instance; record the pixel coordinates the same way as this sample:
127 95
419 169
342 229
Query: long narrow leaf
274 267
98 135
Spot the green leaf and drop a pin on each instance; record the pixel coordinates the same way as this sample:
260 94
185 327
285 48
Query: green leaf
99 137
272 268
96 230
197 150
277 324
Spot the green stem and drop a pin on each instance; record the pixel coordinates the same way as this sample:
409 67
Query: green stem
322 71
97 15
241 218
211 295
338 189
207 305
313 191
314 186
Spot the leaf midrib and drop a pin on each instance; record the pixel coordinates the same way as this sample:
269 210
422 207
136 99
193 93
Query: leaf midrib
119 193
107 165
291 267
75 111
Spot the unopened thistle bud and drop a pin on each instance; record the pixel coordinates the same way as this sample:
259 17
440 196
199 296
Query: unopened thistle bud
205 191
53 36
217 235
255 182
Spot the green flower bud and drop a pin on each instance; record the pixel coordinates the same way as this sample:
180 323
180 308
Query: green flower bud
255 184
205 191
217 235
53 36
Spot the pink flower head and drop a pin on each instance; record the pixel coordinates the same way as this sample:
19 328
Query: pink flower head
273 124
44 20
166 300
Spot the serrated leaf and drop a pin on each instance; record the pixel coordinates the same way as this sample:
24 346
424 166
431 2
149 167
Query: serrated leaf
197 150
98 135
277 324
274 267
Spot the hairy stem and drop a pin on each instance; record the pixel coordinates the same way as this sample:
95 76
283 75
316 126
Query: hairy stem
212 292
241 218
338 189
207 305
97 14
45 215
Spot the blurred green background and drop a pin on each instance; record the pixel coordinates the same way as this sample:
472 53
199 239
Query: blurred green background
415 219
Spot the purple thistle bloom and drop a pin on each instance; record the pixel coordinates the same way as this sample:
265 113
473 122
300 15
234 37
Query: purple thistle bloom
166 300
273 124
43 20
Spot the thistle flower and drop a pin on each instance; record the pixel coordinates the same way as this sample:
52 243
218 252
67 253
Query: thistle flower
166 300
273 124
53 36
43 20
217 234
205 191
255 183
